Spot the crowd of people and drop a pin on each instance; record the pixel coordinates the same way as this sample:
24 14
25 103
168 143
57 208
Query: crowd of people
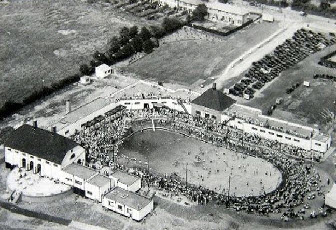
102 136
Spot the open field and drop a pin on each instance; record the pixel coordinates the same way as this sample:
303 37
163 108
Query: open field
208 165
304 103
43 41
193 61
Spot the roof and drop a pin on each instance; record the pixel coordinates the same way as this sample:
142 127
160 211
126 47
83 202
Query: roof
214 99
99 180
125 178
85 110
321 137
80 171
40 143
128 198
193 2
227 8
103 67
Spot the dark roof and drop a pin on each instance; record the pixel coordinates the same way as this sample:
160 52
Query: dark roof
40 143
214 99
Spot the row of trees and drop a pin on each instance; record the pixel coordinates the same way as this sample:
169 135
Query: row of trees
131 41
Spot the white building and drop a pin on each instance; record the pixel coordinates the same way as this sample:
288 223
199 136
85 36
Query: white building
85 80
97 187
44 152
128 203
126 181
76 176
103 71
330 197
230 14
251 120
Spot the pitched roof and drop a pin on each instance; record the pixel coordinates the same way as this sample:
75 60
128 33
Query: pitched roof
125 178
40 143
214 99
128 198
99 180
80 171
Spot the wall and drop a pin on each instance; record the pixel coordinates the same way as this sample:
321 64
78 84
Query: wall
135 186
145 211
205 111
79 155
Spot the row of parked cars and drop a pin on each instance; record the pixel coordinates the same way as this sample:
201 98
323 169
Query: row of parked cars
302 44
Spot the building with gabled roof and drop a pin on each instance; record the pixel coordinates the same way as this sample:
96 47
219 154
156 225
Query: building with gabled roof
128 203
126 181
42 151
211 104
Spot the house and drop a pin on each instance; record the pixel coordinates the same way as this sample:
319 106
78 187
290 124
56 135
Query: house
103 71
128 203
76 176
217 11
42 151
97 187
211 104
85 80
126 181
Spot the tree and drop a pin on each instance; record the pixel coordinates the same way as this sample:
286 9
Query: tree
114 44
148 46
145 34
157 31
171 24
133 31
200 12
100 57
85 69
124 35
136 44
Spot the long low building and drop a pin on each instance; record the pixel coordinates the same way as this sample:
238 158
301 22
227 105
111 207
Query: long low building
217 11
128 203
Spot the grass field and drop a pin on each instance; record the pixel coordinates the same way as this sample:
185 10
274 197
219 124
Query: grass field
208 165
304 103
187 61
43 40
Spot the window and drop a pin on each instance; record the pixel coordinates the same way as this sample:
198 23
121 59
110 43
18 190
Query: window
127 103
78 182
296 140
120 207
278 135
66 132
288 138
261 130
23 154
111 203
136 103
47 162
214 117
9 149
317 144
207 115
271 133
39 159
198 112
32 157
254 128
72 156
68 179
88 192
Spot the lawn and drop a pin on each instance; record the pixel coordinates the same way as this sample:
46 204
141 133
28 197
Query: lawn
208 165
188 60
303 104
43 41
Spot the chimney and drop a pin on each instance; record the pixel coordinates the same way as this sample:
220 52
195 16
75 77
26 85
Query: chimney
67 107
35 123
214 86
54 129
